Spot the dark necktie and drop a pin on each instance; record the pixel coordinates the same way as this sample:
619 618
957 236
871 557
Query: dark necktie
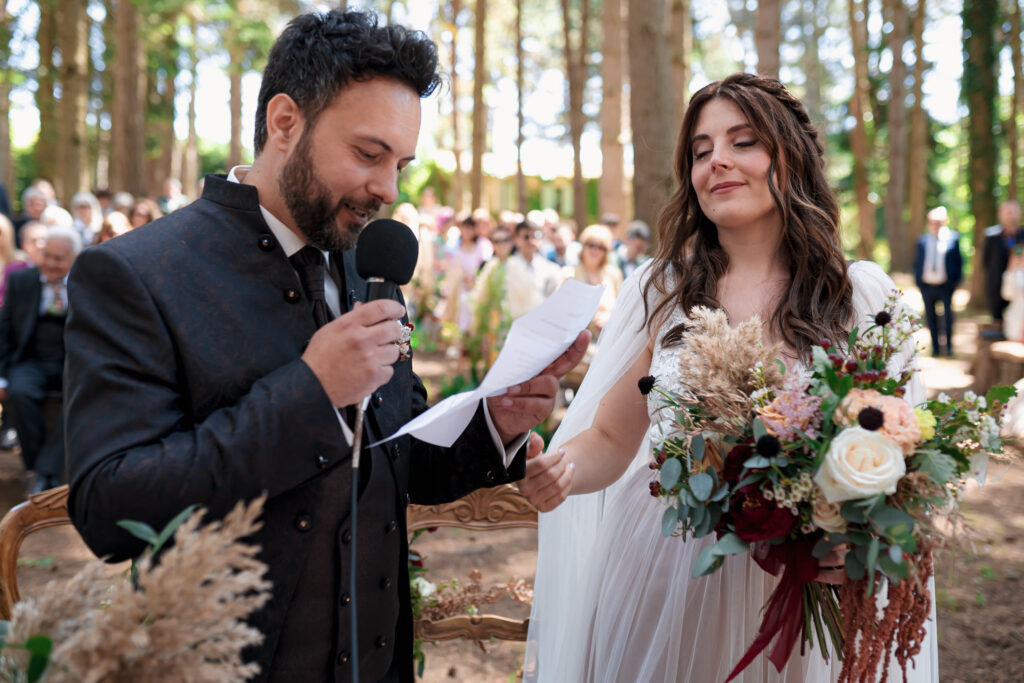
309 262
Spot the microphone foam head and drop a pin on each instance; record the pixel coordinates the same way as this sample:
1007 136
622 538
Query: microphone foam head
387 249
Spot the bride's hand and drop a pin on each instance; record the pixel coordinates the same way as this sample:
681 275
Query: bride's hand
548 476
832 567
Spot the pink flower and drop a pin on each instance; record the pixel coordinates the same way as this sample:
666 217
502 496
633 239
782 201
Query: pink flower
899 421
792 411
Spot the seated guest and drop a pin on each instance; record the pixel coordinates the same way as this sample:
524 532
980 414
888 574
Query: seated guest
33 238
596 268
1013 292
1000 239
114 224
531 278
32 354
633 251
11 259
143 211
88 216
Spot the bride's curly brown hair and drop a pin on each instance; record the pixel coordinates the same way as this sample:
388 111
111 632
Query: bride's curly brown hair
817 303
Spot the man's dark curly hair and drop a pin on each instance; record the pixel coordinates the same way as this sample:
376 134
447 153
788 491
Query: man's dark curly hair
317 55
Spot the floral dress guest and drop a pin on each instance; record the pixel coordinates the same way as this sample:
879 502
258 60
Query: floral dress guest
491 317
1013 292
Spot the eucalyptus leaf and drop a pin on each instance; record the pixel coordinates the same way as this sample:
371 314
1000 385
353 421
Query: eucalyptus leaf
720 494
730 544
756 462
854 567
669 521
139 530
780 461
700 513
886 516
701 484
706 562
853 513
896 554
671 470
684 512
872 560
697 447
705 526
688 499
759 428
823 548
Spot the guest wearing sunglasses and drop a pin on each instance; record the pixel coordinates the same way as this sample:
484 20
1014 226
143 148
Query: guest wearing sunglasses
596 268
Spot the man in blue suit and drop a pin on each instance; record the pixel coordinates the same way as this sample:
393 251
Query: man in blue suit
938 269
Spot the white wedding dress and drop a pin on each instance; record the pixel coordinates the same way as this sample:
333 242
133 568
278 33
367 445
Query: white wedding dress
613 599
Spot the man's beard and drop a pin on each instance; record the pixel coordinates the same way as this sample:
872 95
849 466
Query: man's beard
309 202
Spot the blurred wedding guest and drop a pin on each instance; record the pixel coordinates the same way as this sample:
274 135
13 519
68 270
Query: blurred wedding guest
46 187
484 222
565 249
596 268
11 259
123 202
531 278
491 318
172 199
33 238
463 259
87 215
33 203
114 225
509 220
1000 239
55 216
5 202
634 251
105 198
1013 293
32 355
143 211
406 214
938 269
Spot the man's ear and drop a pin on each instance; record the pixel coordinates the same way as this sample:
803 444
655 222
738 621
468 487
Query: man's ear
284 122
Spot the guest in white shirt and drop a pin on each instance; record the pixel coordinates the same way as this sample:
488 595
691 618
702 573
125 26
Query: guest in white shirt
938 269
531 278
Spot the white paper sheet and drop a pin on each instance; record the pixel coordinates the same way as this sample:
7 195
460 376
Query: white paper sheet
534 341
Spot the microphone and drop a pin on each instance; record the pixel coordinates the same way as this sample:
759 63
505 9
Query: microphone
386 253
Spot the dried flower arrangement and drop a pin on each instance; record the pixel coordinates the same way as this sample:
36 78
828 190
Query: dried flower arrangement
183 619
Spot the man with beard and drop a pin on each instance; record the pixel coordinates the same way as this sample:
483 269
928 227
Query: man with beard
200 370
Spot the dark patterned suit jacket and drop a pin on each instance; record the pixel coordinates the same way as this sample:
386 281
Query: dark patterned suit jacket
19 316
184 384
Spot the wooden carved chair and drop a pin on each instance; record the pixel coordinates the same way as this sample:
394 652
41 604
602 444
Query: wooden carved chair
501 507
40 511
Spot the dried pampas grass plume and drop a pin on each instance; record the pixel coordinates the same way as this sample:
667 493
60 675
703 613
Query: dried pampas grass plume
184 622
716 362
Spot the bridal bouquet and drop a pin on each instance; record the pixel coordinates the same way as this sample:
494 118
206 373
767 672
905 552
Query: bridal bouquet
792 466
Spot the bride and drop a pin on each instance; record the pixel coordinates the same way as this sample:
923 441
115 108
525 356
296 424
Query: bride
752 229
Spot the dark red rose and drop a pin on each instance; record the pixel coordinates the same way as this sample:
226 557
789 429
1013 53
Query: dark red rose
732 468
757 519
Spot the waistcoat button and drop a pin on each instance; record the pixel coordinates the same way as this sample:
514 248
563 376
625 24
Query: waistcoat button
267 242
292 296
303 522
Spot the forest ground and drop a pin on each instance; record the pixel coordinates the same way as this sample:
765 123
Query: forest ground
980 584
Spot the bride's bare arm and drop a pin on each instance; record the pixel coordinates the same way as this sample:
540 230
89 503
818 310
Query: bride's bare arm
597 456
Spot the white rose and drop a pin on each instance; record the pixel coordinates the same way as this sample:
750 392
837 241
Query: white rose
425 588
860 464
826 515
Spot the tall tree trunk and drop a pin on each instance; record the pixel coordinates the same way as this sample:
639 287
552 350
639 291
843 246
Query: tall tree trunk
235 74
576 66
859 134
768 36
520 119
1012 129
813 30
6 75
900 245
612 184
680 25
917 171
980 18
480 76
73 33
190 162
127 149
650 108
46 103
458 200
160 120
